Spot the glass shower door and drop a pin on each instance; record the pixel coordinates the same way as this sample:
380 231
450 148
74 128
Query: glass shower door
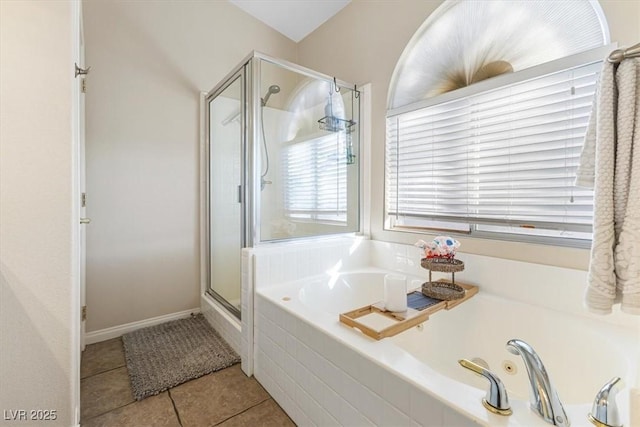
225 192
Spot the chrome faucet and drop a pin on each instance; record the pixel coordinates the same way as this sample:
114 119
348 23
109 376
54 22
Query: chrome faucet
544 398
496 400
605 412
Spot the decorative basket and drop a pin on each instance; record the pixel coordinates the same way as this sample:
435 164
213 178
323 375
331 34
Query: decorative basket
445 265
443 290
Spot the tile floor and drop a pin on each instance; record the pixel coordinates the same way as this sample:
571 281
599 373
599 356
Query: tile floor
226 398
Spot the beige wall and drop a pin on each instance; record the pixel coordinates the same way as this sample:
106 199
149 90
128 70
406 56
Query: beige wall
150 60
37 295
363 43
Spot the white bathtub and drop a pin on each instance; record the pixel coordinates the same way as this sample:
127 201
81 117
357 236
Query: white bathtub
580 353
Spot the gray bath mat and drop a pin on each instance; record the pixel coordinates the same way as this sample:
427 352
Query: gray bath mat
163 356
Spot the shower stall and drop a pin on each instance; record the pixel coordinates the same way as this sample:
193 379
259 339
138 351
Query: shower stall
282 160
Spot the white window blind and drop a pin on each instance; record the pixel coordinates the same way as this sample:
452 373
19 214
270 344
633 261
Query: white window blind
503 160
315 178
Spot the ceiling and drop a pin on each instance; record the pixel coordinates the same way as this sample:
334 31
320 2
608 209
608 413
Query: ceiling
294 18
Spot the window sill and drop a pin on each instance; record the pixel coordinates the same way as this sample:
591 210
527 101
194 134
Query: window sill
545 254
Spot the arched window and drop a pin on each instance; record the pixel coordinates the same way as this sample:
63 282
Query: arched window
489 105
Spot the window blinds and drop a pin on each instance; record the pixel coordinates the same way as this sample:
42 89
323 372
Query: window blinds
507 156
315 177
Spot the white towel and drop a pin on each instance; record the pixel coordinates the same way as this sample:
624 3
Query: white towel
610 163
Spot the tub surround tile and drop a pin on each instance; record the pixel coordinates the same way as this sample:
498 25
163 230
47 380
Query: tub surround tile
424 409
350 416
371 404
350 361
393 417
453 418
102 357
351 390
314 390
321 380
103 392
371 377
216 397
396 391
154 411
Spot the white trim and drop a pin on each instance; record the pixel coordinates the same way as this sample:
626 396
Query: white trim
604 25
365 159
117 331
76 323
590 56
203 194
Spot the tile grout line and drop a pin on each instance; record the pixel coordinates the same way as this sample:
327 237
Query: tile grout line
243 411
175 408
110 410
103 372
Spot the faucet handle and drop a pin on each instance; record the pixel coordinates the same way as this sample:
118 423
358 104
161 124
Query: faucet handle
496 400
604 412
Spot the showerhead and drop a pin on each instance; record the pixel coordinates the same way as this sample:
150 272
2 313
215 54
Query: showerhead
272 89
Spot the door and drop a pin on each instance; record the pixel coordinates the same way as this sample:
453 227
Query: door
81 75
225 191
78 210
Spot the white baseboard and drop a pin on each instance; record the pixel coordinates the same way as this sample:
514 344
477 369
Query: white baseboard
117 331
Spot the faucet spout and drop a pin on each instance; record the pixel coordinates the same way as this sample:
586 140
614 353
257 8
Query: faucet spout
544 398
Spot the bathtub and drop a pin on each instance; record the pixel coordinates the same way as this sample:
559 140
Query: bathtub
580 353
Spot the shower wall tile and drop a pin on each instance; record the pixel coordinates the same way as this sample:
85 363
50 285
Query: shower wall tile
222 322
556 288
278 263
246 345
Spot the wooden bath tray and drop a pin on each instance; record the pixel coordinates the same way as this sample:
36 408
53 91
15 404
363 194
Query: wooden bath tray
403 320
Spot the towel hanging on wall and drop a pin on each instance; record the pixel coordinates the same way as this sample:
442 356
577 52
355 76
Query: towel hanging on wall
610 164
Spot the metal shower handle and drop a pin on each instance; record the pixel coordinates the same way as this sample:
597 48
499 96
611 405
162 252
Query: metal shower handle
604 412
496 400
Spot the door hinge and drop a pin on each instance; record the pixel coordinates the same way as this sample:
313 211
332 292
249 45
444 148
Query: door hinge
84 313
81 71
83 200
83 85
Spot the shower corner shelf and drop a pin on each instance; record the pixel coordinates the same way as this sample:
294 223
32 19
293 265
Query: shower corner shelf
404 320
334 124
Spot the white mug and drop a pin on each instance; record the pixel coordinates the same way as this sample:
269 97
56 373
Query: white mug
395 292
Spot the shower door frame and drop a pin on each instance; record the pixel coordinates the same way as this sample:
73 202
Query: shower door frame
242 72
255 115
